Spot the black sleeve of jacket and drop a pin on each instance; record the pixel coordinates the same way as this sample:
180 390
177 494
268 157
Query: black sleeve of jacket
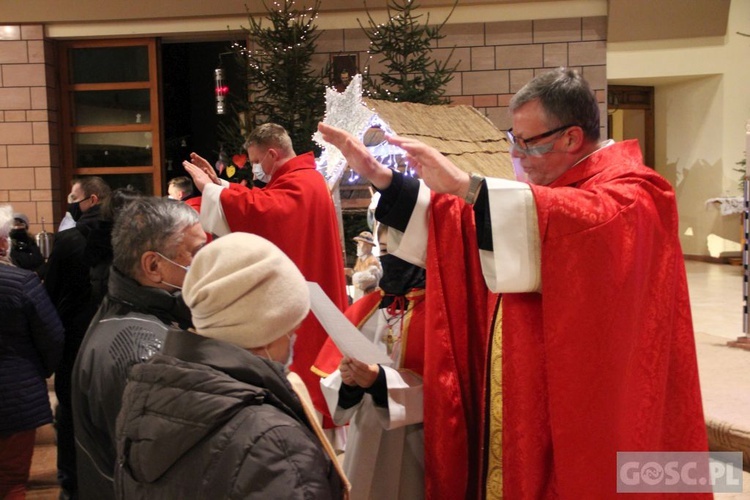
483 219
397 202
285 463
379 389
45 325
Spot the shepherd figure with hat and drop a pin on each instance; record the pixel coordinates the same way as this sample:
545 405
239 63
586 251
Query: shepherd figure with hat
367 270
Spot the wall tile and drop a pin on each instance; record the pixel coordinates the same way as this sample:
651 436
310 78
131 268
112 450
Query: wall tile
485 82
51 212
13 52
4 196
482 58
24 75
41 133
17 178
555 54
485 101
39 98
29 156
41 195
10 32
15 116
461 56
503 100
519 78
19 195
16 133
15 98
499 117
587 53
596 76
462 35
32 32
3 156
557 30
462 100
594 28
509 33
38 115
519 56
36 51
43 177
455 86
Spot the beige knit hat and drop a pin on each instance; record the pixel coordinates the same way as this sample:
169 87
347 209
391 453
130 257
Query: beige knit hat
243 289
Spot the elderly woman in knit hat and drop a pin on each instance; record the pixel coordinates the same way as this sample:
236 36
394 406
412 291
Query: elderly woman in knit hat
214 416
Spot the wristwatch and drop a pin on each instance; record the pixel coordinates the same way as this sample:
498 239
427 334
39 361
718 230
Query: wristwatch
475 182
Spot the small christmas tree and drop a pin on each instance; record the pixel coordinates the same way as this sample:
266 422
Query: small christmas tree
282 85
404 45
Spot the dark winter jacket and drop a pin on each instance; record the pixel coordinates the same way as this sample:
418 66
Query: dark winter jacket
24 252
67 278
31 342
129 328
223 423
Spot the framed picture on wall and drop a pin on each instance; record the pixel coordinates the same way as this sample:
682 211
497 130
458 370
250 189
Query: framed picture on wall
343 69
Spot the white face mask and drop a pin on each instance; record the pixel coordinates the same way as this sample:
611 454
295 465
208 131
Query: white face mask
186 268
518 169
260 174
290 357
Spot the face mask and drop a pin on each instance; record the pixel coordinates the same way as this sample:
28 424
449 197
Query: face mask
518 169
186 268
18 234
260 174
74 209
361 250
290 357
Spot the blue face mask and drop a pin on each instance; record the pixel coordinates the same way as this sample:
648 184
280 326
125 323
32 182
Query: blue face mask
186 268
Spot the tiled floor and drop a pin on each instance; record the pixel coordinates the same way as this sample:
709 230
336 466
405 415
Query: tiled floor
716 300
717 304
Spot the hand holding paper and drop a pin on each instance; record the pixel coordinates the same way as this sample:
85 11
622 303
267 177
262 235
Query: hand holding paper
347 338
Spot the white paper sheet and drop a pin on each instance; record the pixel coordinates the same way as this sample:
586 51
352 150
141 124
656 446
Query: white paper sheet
347 338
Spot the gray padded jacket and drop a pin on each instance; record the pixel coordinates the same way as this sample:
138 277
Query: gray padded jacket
224 424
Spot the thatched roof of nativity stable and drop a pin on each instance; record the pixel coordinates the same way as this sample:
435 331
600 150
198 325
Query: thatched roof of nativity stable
460 132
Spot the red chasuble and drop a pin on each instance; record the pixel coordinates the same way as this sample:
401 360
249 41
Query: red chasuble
458 316
603 360
295 212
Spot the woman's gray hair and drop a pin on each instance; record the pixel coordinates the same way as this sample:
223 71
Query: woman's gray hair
149 224
566 99
6 220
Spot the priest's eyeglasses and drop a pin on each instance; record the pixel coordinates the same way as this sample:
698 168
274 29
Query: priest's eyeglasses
523 147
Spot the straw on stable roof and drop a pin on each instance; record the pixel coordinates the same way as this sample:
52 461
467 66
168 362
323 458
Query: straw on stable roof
460 132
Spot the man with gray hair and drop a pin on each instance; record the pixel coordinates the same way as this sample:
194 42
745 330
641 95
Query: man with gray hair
154 241
592 351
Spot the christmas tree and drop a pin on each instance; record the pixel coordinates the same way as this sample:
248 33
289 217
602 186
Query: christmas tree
282 85
404 46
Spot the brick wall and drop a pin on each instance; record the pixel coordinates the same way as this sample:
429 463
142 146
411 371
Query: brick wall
29 165
497 59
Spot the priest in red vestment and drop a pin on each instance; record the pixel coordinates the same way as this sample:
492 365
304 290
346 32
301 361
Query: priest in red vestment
294 211
597 347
